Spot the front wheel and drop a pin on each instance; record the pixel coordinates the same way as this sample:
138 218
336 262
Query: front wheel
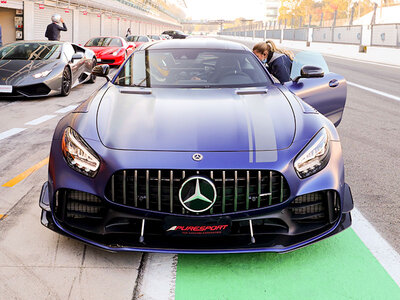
66 82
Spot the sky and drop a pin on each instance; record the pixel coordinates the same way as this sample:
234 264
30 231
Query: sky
225 9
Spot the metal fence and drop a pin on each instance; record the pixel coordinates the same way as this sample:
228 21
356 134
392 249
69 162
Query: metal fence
387 35
299 34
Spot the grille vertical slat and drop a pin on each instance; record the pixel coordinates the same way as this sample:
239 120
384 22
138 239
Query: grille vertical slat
223 191
259 189
270 187
135 190
113 188
158 190
212 178
147 189
171 191
124 188
183 177
247 189
235 199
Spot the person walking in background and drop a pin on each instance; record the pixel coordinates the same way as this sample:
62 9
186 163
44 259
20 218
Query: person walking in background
53 29
128 32
277 61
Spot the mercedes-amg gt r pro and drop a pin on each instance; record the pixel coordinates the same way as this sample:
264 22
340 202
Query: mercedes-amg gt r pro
193 148
37 69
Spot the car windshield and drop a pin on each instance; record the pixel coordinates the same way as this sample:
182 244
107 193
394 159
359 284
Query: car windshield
30 51
196 68
136 38
104 42
154 37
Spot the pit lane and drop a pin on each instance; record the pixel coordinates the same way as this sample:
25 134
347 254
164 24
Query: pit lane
51 266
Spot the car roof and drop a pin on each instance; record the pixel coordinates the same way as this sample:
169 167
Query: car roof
195 43
38 41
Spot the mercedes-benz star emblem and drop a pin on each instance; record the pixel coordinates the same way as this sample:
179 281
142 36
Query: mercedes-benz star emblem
197 157
197 194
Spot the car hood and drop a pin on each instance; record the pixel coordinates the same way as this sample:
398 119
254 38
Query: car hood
13 72
103 50
195 120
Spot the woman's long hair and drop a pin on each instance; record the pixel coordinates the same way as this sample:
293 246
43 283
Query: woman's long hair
271 47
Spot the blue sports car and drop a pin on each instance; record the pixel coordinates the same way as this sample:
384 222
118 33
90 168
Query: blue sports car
193 147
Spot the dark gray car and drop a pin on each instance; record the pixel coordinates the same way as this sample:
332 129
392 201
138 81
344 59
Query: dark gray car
43 68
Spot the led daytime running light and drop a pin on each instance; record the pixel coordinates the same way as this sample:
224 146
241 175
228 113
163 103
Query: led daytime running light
315 156
78 153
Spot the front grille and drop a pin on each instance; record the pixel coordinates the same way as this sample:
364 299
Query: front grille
237 190
75 205
107 61
316 207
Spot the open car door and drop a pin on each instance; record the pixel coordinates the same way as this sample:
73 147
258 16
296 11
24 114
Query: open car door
326 94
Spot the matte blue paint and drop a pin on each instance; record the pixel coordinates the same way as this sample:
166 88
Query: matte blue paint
176 123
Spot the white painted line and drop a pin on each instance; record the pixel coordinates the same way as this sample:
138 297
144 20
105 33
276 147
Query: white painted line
40 120
10 132
66 109
374 91
159 269
379 247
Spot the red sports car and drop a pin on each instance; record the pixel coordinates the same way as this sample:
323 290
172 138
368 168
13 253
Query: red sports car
110 50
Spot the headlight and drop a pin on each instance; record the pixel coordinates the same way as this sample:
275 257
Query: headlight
78 153
315 155
115 53
41 74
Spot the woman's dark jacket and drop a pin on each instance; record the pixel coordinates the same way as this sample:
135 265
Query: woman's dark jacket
279 65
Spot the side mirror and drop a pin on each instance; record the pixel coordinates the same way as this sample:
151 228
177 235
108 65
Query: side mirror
77 56
310 72
101 71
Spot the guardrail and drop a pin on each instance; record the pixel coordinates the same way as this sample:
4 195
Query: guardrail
386 35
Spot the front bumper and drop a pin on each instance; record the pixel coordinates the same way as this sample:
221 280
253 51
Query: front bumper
140 230
111 60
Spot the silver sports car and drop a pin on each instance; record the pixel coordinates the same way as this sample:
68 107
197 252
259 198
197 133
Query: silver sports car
43 68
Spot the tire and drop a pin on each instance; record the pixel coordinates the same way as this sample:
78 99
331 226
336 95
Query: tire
92 78
66 82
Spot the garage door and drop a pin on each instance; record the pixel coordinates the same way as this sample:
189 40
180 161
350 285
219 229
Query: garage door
124 27
114 27
107 31
94 25
42 18
84 25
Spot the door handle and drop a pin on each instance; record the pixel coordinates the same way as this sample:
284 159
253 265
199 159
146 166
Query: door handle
333 83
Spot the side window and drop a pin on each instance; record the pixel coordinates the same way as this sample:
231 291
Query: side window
133 72
68 51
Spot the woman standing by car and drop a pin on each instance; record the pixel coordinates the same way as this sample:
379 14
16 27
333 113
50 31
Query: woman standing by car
278 61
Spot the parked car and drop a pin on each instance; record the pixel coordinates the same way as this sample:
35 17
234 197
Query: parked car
165 37
110 50
154 37
138 40
176 34
44 68
200 151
